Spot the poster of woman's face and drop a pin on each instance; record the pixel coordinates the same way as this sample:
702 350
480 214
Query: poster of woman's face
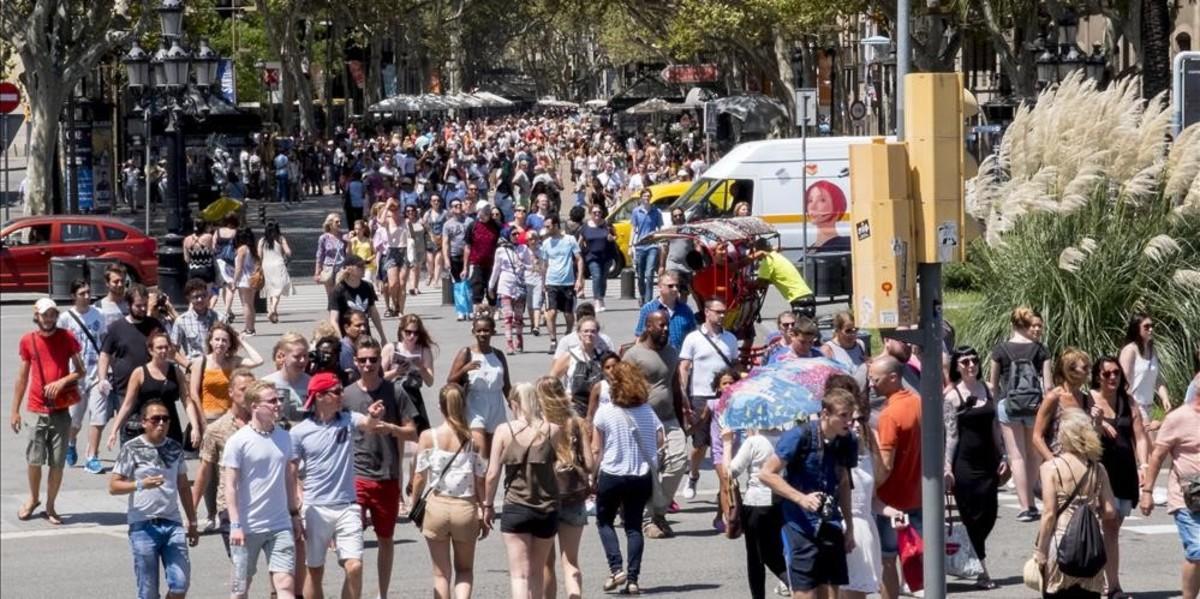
824 206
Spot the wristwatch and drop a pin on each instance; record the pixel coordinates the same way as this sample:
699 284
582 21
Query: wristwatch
138 485
235 526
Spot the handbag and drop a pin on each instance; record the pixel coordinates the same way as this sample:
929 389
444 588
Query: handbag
416 513
732 507
912 551
961 560
257 279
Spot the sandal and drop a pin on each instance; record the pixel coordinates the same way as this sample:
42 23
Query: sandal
614 581
53 517
631 588
274 318
26 511
985 583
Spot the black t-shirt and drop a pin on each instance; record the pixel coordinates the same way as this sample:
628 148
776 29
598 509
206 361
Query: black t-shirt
376 455
346 298
125 343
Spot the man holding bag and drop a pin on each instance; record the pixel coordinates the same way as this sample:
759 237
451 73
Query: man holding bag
810 471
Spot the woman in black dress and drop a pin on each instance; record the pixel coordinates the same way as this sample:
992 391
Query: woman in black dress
1126 448
975 460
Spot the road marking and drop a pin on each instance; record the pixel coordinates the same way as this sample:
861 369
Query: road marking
1152 529
118 531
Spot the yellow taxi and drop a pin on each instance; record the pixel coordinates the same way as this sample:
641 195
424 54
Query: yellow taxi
661 196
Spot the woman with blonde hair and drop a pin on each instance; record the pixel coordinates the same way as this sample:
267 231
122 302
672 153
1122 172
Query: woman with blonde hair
574 467
1023 348
1072 374
331 253
1070 480
448 462
525 450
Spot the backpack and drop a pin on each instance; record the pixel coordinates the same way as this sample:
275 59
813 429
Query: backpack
1023 389
1081 546
587 372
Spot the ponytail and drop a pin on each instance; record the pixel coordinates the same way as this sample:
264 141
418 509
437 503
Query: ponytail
453 404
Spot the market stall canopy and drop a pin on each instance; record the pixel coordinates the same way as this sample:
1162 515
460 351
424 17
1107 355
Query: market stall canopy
597 103
697 96
555 103
399 103
491 99
756 111
654 106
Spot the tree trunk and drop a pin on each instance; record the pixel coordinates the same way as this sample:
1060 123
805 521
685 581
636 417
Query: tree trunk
374 71
783 66
1155 51
454 65
45 104
300 88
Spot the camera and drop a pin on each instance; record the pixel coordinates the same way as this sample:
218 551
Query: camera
827 506
322 361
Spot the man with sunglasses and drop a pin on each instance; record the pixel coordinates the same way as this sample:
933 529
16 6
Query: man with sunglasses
801 336
264 512
150 469
706 351
377 458
191 328
681 321
322 446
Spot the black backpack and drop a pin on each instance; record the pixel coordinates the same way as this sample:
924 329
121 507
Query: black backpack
1023 390
1081 546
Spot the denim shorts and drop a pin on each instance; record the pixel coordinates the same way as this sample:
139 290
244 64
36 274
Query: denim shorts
1188 524
1002 416
152 541
888 545
280 547
573 514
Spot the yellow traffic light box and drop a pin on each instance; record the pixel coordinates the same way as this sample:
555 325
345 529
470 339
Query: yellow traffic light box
933 108
885 263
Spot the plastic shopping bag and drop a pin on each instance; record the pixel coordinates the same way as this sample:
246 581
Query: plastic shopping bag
462 297
912 550
961 560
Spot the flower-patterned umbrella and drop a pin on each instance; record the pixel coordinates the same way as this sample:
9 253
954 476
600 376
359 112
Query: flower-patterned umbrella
777 396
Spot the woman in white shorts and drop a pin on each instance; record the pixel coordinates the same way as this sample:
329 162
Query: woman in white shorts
483 370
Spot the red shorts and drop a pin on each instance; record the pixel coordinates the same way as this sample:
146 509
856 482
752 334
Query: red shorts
380 499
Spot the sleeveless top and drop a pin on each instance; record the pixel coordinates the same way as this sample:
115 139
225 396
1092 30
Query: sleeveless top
200 256
1119 458
1089 493
220 243
976 457
863 489
436 221
214 392
1145 379
854 356
1052 430
459 479
488 379
529 476
164 390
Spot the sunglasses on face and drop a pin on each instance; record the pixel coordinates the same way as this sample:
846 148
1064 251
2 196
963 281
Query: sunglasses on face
270 402
1110 374
968 361
412 332
160 419
787 325
368 360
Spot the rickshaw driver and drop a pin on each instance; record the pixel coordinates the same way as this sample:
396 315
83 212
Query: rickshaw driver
775 269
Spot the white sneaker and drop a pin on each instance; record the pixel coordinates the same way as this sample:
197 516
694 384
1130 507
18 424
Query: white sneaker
689 490
1160 496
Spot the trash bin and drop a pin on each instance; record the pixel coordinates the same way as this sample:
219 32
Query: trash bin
172 270
829 274
95 270
63 271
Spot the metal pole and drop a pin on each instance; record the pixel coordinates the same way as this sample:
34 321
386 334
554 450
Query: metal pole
903 61
802 109
146 165
4 136
933 442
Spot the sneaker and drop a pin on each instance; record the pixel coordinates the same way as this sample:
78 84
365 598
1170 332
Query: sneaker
553 345
590 506
673 508
211 525
689 490
615 580
93 465
1028 516
781 589
72 455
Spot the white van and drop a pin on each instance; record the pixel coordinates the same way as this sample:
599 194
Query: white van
773 176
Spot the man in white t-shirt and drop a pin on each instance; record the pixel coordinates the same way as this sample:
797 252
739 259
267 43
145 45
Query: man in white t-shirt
87 324
264 512
706 352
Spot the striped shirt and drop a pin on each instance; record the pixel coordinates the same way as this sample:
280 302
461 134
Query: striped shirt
625 454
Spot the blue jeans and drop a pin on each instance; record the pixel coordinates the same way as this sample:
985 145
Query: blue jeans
503 201
598 271
629 494
158 540
281 189
645 263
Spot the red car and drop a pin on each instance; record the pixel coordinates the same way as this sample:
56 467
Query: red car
27 245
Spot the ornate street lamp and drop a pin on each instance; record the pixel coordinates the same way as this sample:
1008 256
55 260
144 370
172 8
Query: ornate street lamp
170 16
1046 65
137 67
176 63
206 65
1096 64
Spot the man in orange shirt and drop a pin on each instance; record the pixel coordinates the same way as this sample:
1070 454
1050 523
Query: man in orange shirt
899 482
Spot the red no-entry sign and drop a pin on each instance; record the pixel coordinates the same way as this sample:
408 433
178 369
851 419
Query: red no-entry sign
10 97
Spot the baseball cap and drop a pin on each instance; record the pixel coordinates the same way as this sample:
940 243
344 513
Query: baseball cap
320 383
44 305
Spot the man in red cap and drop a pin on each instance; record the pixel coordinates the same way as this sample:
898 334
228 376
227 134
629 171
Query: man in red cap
322 444
47 356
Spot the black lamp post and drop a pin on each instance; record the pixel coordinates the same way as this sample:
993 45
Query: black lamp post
1055 62
162 85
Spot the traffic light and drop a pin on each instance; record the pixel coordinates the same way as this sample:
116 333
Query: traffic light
885 273
933 123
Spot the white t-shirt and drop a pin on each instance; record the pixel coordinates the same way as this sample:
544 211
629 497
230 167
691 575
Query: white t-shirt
95 326
706 362
262 462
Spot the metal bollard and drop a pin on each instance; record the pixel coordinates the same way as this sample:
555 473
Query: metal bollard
627 284
262 213
447 291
